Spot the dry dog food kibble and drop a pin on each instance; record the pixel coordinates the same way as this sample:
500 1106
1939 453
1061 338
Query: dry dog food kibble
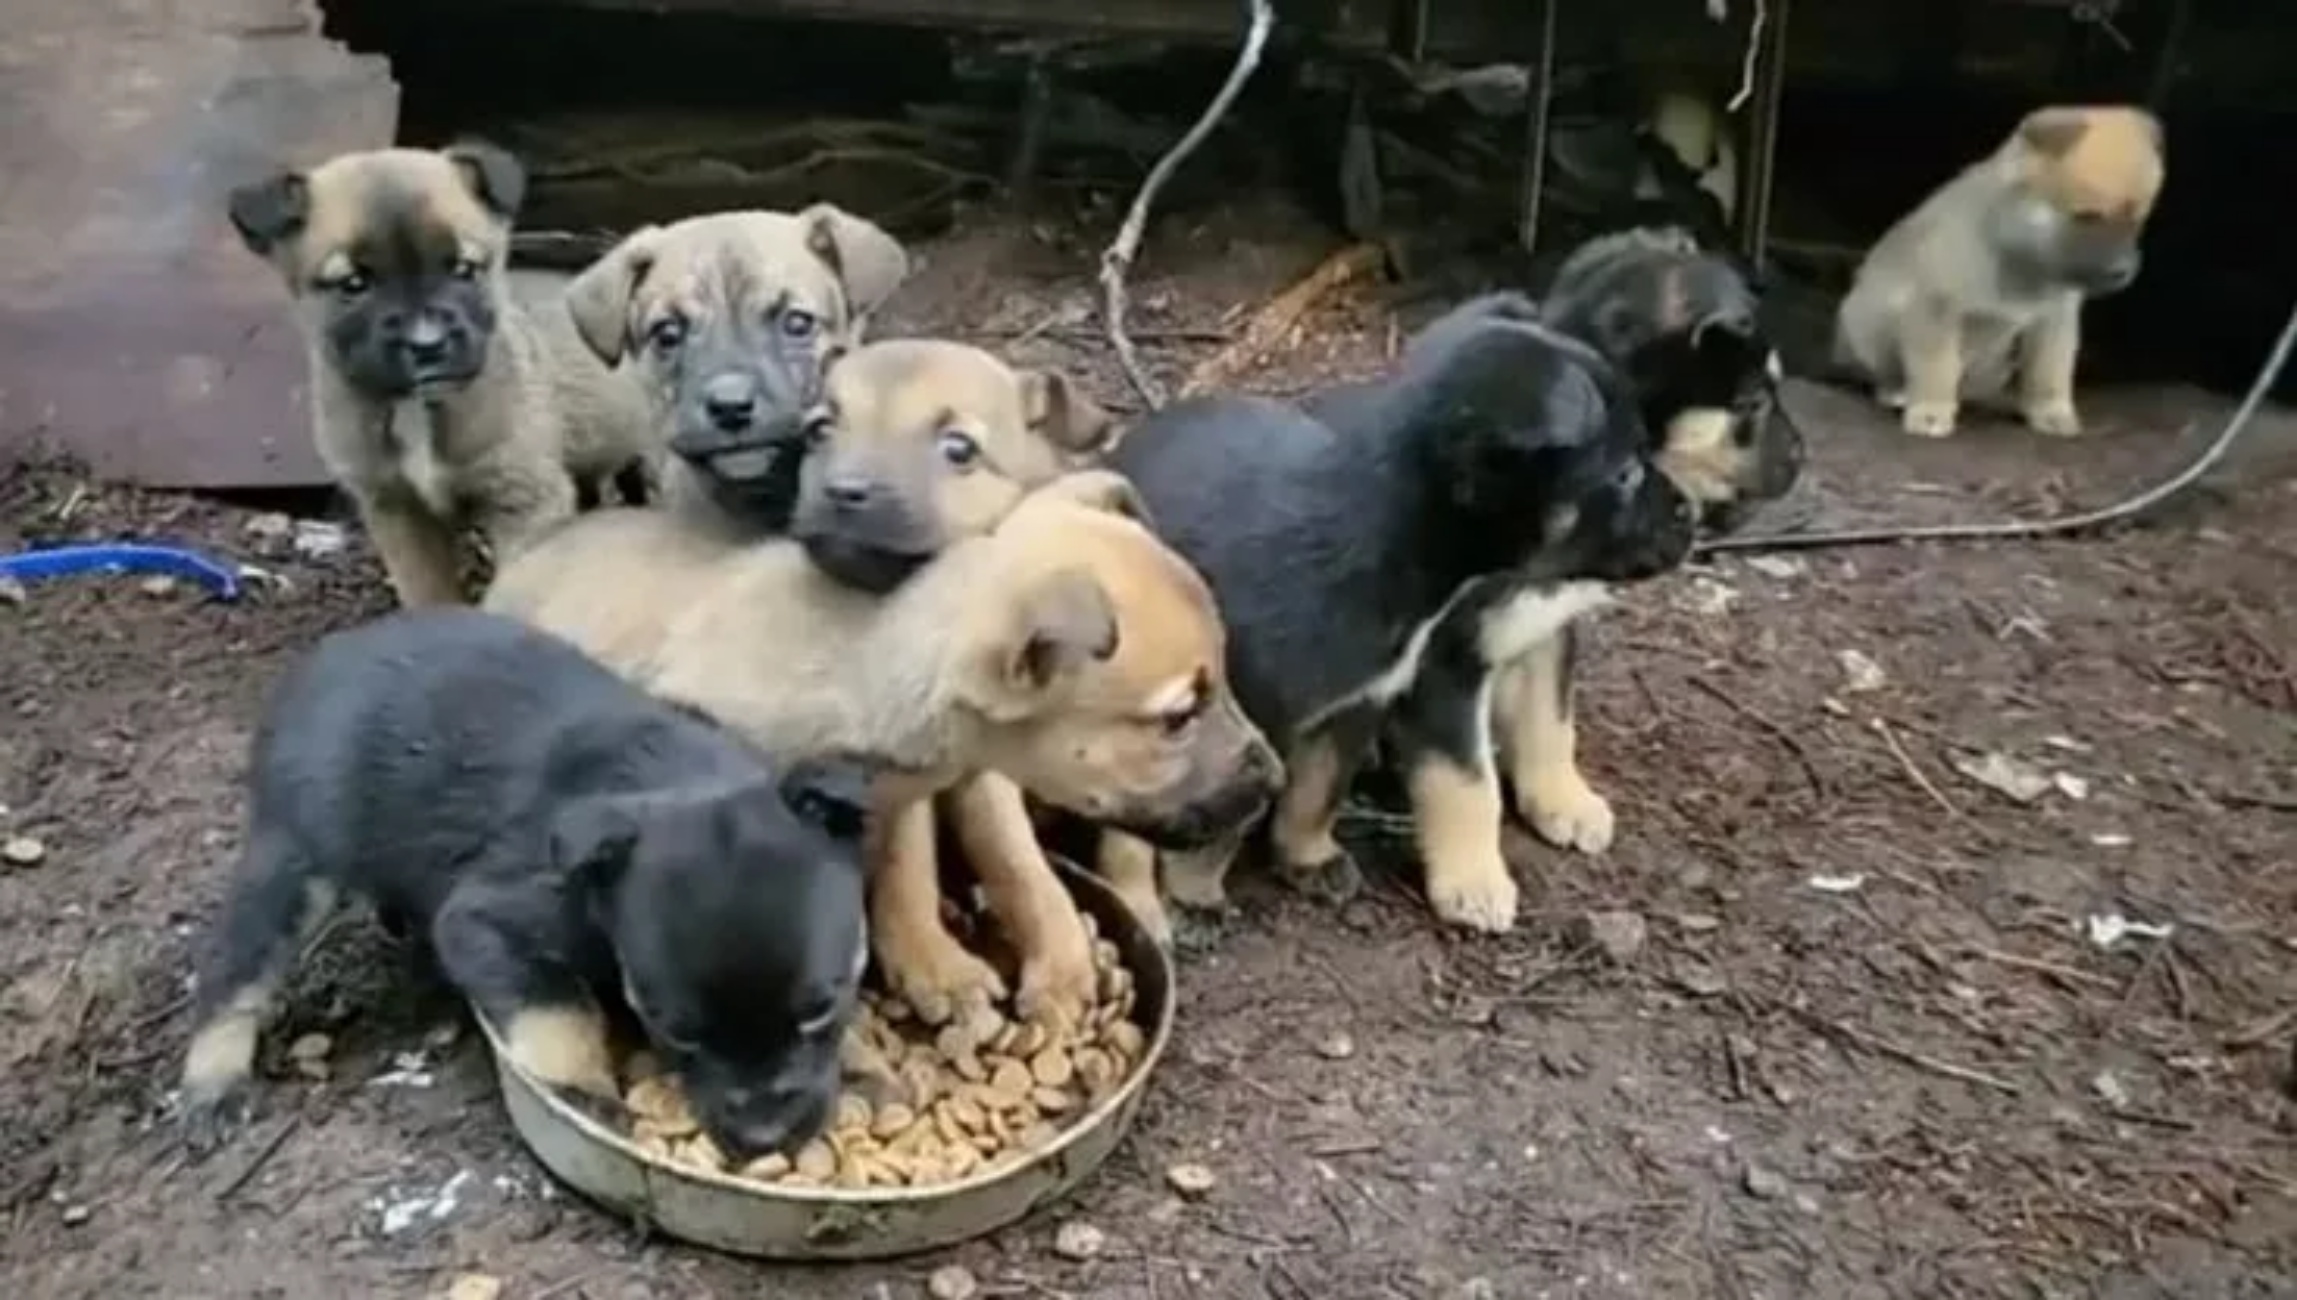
924 1107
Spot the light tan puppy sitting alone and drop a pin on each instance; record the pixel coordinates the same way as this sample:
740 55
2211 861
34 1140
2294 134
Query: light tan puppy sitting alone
440 400
728 322
1986 279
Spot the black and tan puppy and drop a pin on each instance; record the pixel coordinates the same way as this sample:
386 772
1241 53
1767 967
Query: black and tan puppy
1067 649
1985 280
439 399
570 848
728 321
1683 325
1372 578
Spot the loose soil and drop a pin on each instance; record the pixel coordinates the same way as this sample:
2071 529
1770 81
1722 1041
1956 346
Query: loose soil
1880 1038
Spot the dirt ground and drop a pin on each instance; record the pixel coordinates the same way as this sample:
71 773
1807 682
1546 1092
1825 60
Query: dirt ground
1889 1031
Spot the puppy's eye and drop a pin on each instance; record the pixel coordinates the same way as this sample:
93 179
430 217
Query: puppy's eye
667 333
464 268
818 1020
817 430
958 448
352 285
1175 723
800 324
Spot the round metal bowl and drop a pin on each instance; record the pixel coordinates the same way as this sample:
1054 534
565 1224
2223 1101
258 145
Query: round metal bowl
775 1222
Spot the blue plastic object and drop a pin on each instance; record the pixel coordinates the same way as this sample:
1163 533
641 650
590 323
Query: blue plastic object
221 581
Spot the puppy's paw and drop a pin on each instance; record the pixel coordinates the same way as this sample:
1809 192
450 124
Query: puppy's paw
1566 811
1197 890
1058 979
1197 934
2056 418
1928 419
210 1121
1479 896
1335 879
940 980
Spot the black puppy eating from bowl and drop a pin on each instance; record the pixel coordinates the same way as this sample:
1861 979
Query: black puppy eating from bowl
568 848
1371 577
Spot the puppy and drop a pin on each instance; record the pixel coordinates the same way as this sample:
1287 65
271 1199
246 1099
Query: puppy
918 442
1371 579
910 443
566 844
1988 275
1683 325
727 321
1067 648
439 400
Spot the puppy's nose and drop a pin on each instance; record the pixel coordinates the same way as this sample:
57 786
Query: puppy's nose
731 401
426 340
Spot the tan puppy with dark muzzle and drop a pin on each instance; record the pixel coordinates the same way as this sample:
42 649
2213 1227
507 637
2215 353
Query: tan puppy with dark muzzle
439 400
1068 648
1986 279
728 321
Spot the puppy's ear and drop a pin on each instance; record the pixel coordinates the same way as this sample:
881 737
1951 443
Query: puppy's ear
2153 128
1065 622
494 177
2051 132
271 211
870 262
599 298
593 837
1102 489
1061 414
830 793
1728 343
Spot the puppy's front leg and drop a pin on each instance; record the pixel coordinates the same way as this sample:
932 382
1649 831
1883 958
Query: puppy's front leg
517 500
1317 773
2047 349
1028 898
1442 730
1930 344
1196 880
1128 866
926 965
501 947
417 548
1539 742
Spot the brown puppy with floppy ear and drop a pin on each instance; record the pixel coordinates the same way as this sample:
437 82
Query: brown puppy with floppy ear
728 321
1068 649
919 442
1986 279
916 444
438 399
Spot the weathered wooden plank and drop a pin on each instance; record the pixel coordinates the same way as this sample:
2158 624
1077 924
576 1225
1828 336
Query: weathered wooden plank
134 330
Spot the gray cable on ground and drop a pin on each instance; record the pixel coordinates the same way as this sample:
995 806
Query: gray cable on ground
2126 509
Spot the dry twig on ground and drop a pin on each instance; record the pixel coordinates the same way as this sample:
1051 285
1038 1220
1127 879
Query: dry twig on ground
1268 326
1118 260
